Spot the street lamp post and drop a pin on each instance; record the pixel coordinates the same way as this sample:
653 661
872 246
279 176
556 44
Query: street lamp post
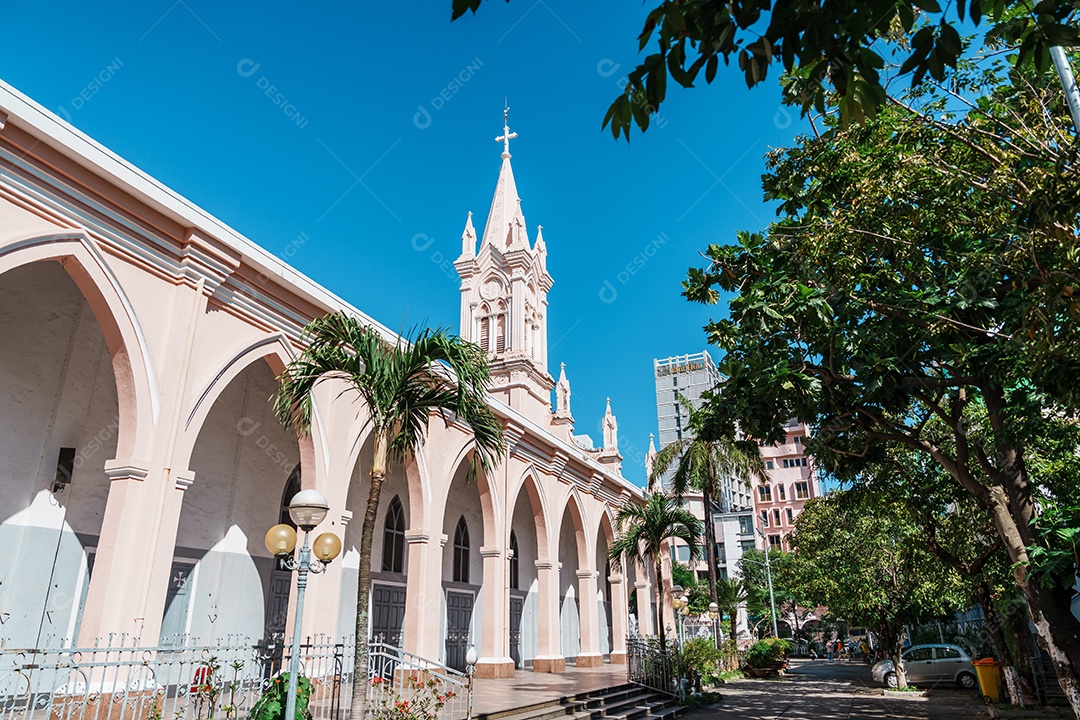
307 509
714 615
768 578
679 603
470 673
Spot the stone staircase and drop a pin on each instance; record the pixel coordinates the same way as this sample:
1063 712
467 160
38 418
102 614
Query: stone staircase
622 702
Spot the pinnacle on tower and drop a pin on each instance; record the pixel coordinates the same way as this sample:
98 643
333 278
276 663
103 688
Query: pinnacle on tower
468 238
562 396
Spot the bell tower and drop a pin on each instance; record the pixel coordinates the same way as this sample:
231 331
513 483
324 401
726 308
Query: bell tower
504 287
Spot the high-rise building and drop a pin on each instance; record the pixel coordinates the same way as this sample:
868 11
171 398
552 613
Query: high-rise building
792 481
689 376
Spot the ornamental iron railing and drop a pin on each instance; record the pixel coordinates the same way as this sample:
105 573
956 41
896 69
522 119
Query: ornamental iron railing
651 667
402 677
118 680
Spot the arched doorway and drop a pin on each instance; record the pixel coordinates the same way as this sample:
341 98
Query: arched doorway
463 568
527 529
571 555
60 421
241 459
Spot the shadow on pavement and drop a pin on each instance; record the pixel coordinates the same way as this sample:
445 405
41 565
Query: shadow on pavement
823 690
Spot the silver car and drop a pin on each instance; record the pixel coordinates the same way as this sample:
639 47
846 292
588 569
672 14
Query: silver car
928 665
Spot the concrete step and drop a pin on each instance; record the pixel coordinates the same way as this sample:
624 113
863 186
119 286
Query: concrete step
622 702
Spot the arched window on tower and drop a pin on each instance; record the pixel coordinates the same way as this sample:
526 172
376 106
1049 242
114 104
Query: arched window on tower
514 576
483 331
500 328
393 549
461 552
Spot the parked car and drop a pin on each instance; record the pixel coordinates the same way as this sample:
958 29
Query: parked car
928 665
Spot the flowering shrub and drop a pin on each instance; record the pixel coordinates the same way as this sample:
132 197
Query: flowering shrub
271 706
422 700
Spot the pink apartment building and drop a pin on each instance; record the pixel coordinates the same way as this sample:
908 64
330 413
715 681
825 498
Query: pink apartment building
792 482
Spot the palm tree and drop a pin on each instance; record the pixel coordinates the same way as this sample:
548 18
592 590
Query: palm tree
640 534
731 594
703 462
402 384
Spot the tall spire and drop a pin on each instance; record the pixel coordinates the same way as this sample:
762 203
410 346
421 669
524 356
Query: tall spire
505 227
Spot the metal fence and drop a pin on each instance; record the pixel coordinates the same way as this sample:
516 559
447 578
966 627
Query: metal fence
118 680
395 676
651 667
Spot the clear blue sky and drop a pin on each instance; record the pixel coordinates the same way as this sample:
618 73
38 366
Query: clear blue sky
382 139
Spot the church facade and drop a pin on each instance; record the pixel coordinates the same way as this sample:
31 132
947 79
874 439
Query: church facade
141 464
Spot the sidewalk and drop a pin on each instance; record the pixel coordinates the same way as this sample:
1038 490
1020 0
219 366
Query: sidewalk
823 690
527 687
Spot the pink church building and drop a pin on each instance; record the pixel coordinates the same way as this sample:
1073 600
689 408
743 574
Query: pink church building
141 464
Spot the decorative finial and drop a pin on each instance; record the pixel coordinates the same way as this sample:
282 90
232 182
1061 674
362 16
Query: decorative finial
507 136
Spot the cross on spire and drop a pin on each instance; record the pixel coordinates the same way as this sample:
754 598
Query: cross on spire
507 136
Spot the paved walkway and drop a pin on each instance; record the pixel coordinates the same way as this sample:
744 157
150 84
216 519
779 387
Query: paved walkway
527 687
823 690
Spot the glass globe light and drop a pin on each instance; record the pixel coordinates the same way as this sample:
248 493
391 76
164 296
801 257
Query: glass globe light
308 508
714 610
677 591
326 547
280 540
470 656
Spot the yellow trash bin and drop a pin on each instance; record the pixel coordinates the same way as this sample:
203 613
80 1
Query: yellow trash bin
989 672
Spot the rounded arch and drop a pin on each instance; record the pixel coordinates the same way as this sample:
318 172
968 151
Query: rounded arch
276 351
529 481
136 381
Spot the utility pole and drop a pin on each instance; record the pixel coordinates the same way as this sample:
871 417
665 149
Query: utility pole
1068 82
768 577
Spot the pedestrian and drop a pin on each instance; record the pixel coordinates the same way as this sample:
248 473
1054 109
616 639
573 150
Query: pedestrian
829 650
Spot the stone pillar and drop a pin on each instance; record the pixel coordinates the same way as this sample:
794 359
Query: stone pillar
549 653
129 582
423 597
495 660
644 608
589 655
619 619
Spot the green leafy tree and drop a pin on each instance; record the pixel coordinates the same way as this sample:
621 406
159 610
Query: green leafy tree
641 533
708 463
731 595
402 384
791 606
924 266
962 536
866 561
843 47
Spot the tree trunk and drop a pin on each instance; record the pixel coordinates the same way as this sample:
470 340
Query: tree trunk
1012 507
710 542
1060 633
1049 608
358 707
660 606
1016 620
995 626
890 640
